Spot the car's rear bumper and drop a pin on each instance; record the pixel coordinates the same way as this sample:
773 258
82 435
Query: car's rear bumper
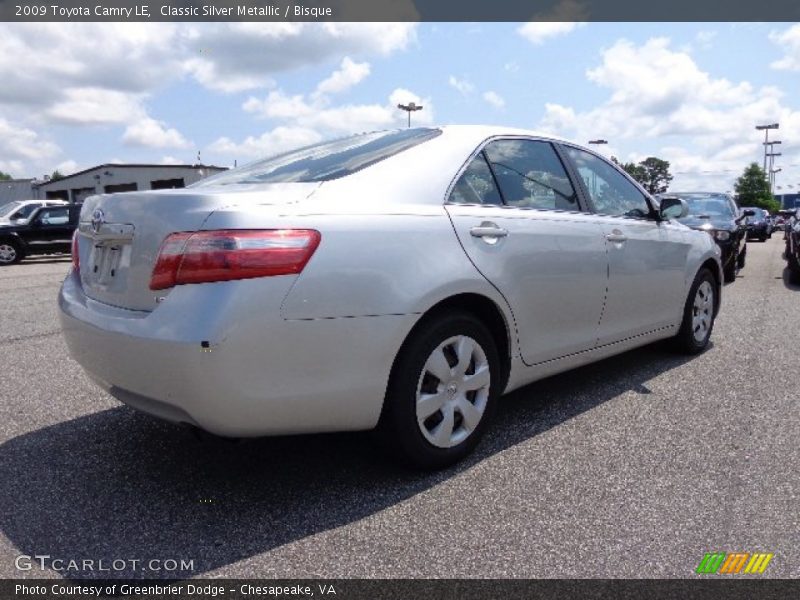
211 356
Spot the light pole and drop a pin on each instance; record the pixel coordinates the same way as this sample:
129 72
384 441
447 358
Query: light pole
772 171
409 108
766 129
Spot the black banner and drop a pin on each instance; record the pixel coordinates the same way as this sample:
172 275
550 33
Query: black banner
437 589
399 10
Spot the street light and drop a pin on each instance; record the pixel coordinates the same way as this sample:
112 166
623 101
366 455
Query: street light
766 129
409 108
771 172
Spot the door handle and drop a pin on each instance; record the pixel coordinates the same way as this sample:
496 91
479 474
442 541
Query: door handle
617 237
488 231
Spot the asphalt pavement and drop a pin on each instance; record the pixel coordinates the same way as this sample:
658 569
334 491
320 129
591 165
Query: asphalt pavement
633 467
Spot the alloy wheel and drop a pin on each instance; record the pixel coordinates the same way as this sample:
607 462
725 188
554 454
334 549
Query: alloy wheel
8 253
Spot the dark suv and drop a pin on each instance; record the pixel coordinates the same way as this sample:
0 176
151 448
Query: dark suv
48 230
717 215
758 225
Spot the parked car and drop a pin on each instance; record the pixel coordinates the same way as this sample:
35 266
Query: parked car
792 240
21 210
778 223
716 214
397 280
46 230
758 225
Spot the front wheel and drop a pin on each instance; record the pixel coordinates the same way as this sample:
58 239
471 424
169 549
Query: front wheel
741 259
442 392
698 314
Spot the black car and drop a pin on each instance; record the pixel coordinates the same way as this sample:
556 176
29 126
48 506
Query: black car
792 237
48 231
758 225
717 214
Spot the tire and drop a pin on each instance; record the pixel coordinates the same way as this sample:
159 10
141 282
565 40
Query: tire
698 315
10 252
794 268
729 271
741 259
763 238
456 415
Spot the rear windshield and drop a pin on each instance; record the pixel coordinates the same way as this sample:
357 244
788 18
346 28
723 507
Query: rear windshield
327 160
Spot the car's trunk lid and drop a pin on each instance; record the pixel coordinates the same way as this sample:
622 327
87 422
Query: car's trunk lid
120 234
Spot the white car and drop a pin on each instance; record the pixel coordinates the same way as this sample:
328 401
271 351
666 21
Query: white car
18 211
402 280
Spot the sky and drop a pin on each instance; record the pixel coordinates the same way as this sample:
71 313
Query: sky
74 95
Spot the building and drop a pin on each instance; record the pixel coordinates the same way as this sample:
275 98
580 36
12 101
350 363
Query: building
108 178
111 178
16 189
789 201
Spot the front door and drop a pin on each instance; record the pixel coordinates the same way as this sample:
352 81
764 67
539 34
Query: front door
647 257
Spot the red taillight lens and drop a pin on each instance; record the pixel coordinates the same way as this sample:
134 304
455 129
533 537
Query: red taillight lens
206 256
76 257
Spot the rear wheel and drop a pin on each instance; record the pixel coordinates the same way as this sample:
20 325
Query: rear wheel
698 314
10 252
442 392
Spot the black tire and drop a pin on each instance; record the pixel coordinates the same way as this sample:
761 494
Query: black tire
10 252
686 341
729 272
741 259
763 238
399 429
794 269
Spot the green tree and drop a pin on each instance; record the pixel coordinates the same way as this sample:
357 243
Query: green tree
656 175
653 173
5 176
752 189
56 175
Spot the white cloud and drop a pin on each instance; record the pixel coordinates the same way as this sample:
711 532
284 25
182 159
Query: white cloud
67 167
154 134
494 99
96 106
789 41
664 103
19 143
538 33
171 160
272 142
350 73
463 86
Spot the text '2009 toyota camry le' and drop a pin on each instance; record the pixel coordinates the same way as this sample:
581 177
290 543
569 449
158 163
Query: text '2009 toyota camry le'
399 280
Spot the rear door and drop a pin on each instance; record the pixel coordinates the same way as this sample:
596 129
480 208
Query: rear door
50 229
519 219
647 256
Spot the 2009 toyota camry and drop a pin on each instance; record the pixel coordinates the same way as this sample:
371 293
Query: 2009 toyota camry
401 280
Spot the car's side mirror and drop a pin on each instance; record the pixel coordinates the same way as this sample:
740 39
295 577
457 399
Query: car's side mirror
673 208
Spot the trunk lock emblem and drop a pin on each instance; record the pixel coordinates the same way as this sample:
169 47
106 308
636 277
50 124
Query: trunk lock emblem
98 219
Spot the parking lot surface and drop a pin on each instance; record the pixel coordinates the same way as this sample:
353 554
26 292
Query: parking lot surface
633 467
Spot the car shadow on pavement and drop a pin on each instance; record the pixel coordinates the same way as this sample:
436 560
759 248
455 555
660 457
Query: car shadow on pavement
120 485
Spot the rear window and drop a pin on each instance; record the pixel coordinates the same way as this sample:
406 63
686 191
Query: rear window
326 160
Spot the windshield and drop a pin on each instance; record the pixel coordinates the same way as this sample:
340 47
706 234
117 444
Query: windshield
325 161
712 205
9 208
758 216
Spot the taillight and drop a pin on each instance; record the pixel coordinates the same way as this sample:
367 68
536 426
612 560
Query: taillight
206 256
76 257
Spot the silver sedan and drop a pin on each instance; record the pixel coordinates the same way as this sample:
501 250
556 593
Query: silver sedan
399 280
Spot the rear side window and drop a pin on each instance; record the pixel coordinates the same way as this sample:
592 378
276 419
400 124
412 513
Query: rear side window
530 175
327 160
476 185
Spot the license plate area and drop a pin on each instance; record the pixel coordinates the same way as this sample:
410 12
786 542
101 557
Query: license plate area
106 262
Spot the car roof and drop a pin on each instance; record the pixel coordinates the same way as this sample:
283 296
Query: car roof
478 133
